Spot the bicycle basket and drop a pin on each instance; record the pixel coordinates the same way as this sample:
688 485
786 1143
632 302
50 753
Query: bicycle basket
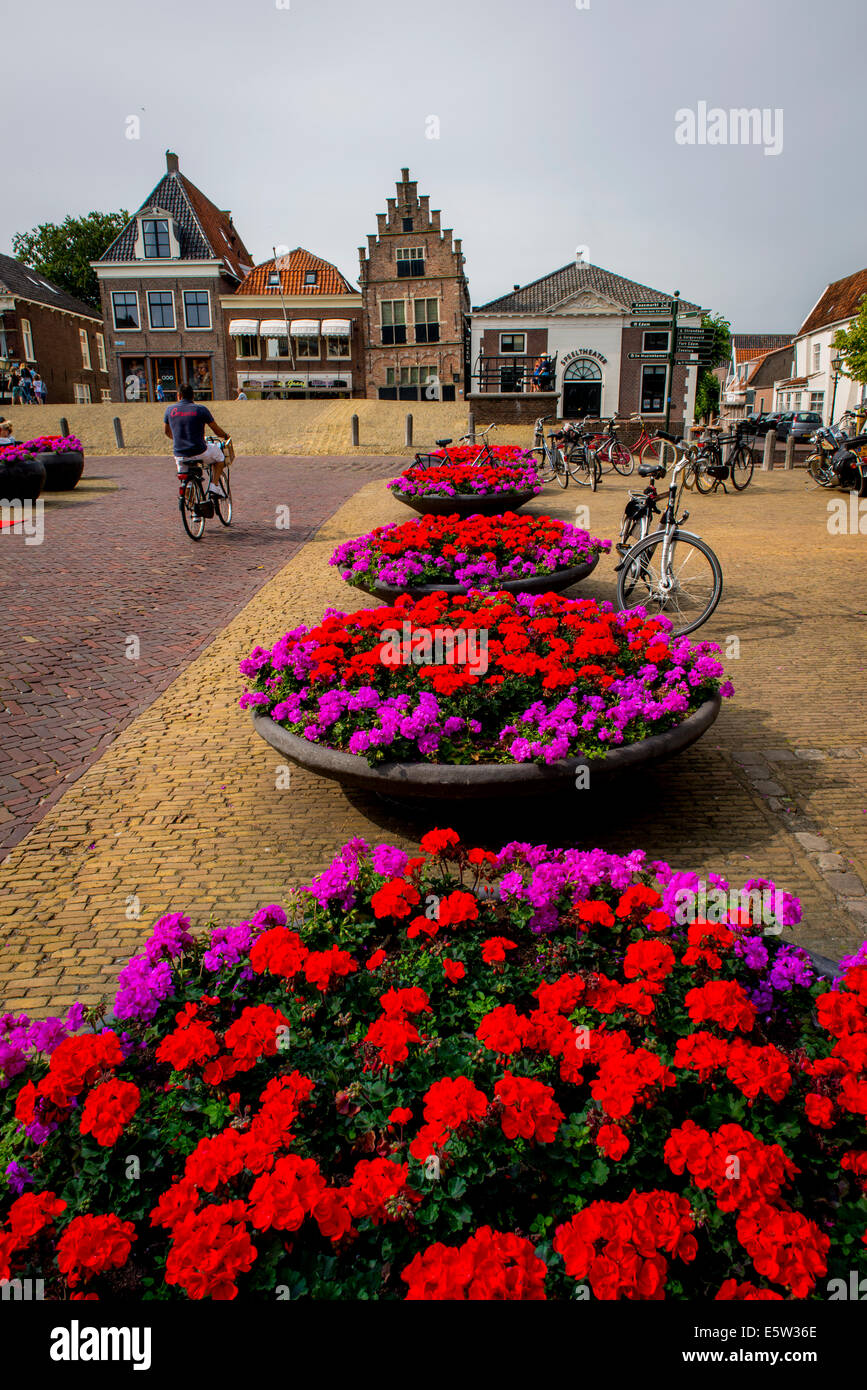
717 470
205 508
634 507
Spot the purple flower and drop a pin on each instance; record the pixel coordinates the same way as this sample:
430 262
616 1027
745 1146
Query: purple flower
18 1178
169 937
142 988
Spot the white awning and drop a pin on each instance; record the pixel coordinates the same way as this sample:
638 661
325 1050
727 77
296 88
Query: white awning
273 328
243 328
336 328
305 328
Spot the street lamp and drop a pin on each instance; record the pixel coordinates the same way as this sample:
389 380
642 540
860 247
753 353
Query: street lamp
834 360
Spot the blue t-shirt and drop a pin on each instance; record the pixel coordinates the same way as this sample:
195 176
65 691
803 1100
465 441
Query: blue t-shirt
187 422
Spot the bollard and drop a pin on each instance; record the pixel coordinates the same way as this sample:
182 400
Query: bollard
471 428
64 427
789 460
118 432
408 436
354 423
770 447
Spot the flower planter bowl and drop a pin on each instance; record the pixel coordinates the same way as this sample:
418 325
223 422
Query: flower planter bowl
22 480
466 504
533 584
62 470
447 781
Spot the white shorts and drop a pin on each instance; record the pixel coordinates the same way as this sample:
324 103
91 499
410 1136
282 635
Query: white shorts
213 454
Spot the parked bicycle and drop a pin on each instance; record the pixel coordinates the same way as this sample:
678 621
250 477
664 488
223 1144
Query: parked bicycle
196 502
551 465
435 460
609 449
708 471
582 459
667 570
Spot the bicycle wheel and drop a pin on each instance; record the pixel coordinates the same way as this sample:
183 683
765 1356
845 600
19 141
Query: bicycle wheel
687 593
650 451
819 471
544 466
742 465
622 460
190 504
561 472
703 480
690 469
223 505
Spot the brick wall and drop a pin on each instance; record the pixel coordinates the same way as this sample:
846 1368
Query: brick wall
241 308
630 378
58 349
179 342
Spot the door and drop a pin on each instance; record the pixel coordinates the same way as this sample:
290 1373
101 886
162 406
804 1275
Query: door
582 389
167 375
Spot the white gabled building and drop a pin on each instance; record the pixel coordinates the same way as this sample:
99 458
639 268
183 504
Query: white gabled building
816 382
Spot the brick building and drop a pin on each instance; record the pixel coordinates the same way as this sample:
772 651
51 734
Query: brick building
295 330
45 328
416 302
581 317
161 283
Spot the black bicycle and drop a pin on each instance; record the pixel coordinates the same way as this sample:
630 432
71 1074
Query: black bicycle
196 502
431 459
708 471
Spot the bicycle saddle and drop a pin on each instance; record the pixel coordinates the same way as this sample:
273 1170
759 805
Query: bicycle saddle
663 434
443 442
651 470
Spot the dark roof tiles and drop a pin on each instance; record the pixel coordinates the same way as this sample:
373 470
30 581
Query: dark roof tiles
543 294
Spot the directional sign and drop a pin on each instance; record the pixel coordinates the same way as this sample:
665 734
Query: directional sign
692 335
642 308
649 356
650 323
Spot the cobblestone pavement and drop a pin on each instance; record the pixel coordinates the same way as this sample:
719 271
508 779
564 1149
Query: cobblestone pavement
183 809
116 569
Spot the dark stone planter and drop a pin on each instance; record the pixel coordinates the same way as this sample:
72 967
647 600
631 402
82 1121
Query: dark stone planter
465 505
62 471
543 584
22 480
422 781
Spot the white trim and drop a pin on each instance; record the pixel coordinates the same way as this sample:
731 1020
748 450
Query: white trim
292 301
100 352
510 333
114 322
151 326
197 328
27 339
159 270
304 328
9 307
645 348
84 344
243 328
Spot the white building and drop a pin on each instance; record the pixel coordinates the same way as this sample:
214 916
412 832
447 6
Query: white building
816 382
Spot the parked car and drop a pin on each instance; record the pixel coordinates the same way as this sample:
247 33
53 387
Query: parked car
801 424
767 421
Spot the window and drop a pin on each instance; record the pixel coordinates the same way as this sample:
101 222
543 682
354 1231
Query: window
310 277
817 401
655 342
100 352
513 342
276 347
197 309
85 348
274 280
155 236
410 261
306 347
125 309
247 345
393 313
161 308
415 376
81 393
338 345
407 224
817 356
105 394
427 320
653 390
27 340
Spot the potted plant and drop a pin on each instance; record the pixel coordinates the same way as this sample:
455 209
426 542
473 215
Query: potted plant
521 554
484 695
22 474
458 1074
465 489
62 457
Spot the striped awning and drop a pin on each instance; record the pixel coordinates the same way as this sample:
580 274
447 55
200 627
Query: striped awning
243 328
273 328
336 328
305 328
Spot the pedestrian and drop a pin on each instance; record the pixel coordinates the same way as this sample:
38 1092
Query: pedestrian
242 394
161 395
6 435
40 390
15 387
27 395
537 373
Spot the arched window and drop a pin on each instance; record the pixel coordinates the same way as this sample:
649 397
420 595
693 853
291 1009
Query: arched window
583 369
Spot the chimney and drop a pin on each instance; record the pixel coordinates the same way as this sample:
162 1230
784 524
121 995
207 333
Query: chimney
172 165
404 176
515 288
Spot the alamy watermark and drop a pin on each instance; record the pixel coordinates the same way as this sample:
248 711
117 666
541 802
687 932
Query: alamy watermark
25 519
740 125
435 646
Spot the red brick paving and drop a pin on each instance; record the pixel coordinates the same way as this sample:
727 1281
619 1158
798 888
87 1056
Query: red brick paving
118 565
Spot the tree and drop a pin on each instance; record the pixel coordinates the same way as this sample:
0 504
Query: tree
63 252
851 342
707 390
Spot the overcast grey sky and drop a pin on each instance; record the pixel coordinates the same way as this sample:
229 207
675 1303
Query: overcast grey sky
556 128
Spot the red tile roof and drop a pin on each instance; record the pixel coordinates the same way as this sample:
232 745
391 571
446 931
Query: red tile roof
293 269
746 346
219 230
840 301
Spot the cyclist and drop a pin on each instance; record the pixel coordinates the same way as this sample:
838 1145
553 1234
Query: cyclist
185 426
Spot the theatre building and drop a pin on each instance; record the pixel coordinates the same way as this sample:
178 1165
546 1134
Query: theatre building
605 358
161 281
294 331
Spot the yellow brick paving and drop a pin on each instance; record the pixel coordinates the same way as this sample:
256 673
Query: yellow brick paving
183 811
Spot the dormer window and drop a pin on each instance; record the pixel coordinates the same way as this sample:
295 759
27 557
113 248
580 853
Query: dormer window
310 277
155 234
274 280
